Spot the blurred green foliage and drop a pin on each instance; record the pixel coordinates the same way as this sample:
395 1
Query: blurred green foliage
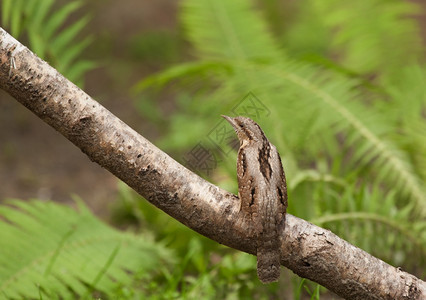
50 33
346 95
204 268
344 84
154 47
51 251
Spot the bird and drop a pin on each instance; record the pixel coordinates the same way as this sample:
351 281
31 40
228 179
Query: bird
262 191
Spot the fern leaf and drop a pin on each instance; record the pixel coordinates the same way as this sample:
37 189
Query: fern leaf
389 157
38 44
377 218
79 68
6 12
43 25
192 71
16 17
58 18
371 34
38 10
234 24
377 222
53 250
73 52
68 34
299 90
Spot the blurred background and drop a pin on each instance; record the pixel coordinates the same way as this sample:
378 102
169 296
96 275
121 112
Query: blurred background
125 42
339 87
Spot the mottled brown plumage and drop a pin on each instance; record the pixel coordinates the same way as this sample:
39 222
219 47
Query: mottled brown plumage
263 193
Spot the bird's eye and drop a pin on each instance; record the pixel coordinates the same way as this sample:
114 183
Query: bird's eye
242 125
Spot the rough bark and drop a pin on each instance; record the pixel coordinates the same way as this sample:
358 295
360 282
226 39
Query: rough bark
309 251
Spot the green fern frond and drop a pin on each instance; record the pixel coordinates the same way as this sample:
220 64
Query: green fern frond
393 224
366 137
193 72
12 15
54 250
369 218
418 130
58 19
48 35
299 90
371 35
227 30
408 92
314 176
6 10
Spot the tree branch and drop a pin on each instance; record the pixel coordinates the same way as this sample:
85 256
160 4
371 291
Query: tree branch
309 251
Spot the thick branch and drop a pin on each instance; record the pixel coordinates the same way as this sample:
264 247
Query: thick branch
308 250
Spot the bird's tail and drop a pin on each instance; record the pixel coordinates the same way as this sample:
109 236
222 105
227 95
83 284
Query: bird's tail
268 260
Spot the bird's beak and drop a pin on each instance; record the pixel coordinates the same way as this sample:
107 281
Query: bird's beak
231 121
